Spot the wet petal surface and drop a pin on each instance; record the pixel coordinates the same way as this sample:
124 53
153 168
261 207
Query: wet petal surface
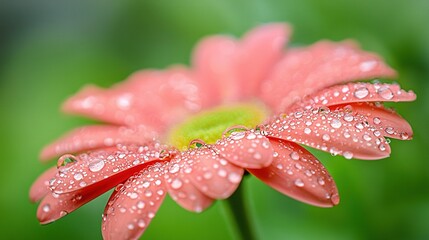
40 187
339 131
76 172
134 204
295 172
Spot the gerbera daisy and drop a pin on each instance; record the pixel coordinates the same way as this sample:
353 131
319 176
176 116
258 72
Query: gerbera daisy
246 105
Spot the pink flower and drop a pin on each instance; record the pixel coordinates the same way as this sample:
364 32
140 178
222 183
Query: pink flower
245 105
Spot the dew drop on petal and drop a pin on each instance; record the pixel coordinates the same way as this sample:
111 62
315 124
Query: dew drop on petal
326 137
404 136
335 123
141 223
385 93
299 182
348 117
348 155
174 168
78 176
96 166
307 130
140 204
377 120
66 161
298 114
361 92
133 195
234 177
63 213
46 208
389 130
294 155
176 183
382 147
321 181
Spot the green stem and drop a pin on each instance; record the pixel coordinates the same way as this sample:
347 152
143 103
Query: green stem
238 216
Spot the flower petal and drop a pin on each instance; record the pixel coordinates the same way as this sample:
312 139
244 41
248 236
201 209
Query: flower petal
210 173
304 71
297 173
153 98
40 187
258 52
246 149
55 206
134 204
76 172
388 122
357 92
183 191
93 137
214 60
339 132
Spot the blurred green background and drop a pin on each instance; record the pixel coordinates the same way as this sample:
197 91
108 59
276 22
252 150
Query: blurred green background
49 49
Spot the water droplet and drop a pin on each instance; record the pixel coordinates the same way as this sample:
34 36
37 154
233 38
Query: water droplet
96 165
367 65
376 120
238 135
389 130
176 183
140 204
382 147
234 177
299 182
130 226
359 125
346 134
279 166
174 168
366 137
361 92
385 93
141 223
46 208
404 136
251 136
326 137
377 133
294 155
321 181
133 195
307 130
335 123
78 176
63 213
298 114
348 155
348 117
151 215
66 161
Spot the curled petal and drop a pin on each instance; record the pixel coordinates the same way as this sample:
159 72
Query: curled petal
304 71
214 60
183 191
297 173
134 204
152 98
246 149
107 165
210 173
388 122
93 137
338 132
259 50
40 187
357 92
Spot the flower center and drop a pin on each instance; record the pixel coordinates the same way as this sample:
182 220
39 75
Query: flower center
209 125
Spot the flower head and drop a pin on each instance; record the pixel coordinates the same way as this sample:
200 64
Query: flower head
245 105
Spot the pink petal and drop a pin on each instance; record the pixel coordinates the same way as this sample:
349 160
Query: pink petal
76 172
153 98
259 50
93 137
133 206
214 60
388 122
339 132
357 92
183 191
246 149
297 173
210 173
40 187
55 206
304 71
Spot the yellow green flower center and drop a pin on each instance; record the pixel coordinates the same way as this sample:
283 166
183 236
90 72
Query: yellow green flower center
209 125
